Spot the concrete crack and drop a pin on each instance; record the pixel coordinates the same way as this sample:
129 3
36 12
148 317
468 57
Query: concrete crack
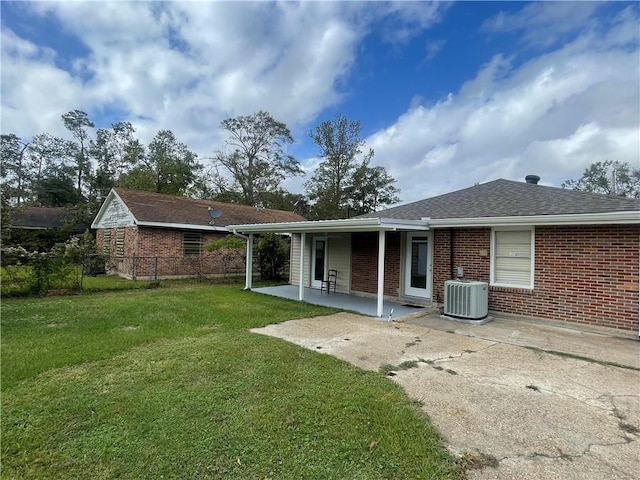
566 456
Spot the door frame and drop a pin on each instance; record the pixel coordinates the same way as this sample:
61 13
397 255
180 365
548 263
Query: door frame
408 290
312 281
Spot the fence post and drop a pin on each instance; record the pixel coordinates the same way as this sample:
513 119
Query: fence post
155 270
133 260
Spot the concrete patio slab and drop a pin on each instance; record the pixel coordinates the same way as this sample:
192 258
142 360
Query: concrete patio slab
606 345
532 413
354 303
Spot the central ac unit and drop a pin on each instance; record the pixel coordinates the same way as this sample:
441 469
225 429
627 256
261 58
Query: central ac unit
466 300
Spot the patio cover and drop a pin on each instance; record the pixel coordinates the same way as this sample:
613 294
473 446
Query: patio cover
348 225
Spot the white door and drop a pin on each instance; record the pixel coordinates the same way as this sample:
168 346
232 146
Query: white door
318 261
418 264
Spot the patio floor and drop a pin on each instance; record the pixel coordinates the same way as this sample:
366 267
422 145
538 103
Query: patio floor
355 303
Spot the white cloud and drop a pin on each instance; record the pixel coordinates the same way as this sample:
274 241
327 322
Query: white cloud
188 65
552 116
545 23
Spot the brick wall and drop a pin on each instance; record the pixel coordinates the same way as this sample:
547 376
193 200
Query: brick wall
585 275
364 263
467 244
147 244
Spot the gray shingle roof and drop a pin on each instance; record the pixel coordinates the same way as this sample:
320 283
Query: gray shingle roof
507 198
40 218
161 208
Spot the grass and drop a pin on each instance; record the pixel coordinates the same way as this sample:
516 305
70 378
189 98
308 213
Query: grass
169 383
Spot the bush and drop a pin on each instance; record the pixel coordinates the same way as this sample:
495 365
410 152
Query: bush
35 273
273 255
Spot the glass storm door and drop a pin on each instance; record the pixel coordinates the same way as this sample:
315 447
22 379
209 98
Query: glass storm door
418 265
318 261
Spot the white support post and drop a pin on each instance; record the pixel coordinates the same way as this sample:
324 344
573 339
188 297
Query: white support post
301 276
249 263
381 248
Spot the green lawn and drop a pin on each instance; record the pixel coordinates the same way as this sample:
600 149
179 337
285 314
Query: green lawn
169 383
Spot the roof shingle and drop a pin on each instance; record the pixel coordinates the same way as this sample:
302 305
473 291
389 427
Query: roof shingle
508 198
161 208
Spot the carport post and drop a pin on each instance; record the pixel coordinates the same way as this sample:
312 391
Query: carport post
249 263
381 248
301 276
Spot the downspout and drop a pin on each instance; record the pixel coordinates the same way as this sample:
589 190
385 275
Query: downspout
249 260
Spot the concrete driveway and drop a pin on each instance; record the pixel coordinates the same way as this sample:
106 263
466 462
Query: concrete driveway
521 412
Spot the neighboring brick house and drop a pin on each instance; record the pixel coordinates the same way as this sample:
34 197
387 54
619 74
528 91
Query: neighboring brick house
148 234
545 252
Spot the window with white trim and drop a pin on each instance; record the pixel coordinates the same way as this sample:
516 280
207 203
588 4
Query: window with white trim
106 242
512 258
191 244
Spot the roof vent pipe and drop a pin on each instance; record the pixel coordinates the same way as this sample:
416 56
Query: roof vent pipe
533 179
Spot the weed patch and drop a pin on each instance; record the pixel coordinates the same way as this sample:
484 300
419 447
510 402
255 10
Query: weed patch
478 460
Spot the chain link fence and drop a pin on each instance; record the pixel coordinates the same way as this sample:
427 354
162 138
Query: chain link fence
224 265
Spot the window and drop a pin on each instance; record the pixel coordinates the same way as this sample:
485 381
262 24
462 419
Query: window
512 256
191 244
106 242
120 242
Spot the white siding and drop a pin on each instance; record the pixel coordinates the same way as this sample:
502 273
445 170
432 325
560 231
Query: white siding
294 271
294 262
115 215
339 258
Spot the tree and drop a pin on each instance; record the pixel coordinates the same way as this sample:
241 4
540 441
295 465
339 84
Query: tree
50 155
610 178
371 189
115 150
281 199
56 191
167 167
13 169
273 254
344 184
256 157
77 122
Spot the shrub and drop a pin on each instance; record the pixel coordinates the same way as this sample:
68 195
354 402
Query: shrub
36 273
273 255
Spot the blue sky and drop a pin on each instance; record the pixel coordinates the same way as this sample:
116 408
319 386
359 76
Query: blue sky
448 94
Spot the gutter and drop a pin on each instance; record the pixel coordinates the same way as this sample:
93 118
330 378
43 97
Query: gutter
608 218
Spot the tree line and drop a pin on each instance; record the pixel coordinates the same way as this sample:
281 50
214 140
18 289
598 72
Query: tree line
250 169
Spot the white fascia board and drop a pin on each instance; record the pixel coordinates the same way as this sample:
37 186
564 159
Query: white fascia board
184 226
102 209
343 225
609 218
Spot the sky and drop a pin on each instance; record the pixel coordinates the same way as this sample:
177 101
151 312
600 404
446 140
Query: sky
448 94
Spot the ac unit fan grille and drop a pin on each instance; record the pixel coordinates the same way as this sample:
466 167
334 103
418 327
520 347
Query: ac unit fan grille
466 300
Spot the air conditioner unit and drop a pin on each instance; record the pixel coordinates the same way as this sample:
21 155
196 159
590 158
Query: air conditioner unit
466 300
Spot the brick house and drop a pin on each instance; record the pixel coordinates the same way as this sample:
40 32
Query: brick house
543 251
147 234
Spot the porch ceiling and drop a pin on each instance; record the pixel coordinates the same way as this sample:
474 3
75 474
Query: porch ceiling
325 226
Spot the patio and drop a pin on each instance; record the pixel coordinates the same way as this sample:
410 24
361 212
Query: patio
354 303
